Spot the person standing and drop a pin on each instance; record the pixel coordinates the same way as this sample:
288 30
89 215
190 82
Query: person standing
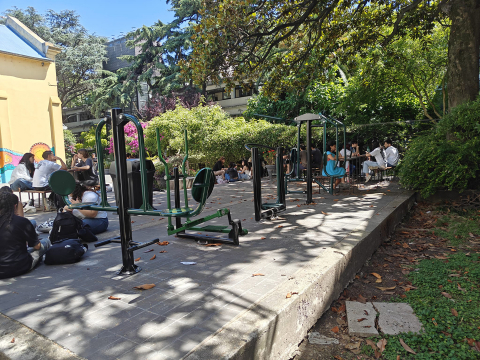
22 175
391 153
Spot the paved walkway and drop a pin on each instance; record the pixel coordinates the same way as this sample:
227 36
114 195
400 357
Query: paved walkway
194 309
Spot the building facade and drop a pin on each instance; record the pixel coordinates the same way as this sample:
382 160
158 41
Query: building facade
30 109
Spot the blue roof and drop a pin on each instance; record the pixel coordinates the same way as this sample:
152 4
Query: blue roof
11 42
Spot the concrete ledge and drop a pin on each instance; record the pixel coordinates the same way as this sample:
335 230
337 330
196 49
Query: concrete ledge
273 327
189 183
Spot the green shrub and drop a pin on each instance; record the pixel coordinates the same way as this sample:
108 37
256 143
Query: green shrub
213 133
448 157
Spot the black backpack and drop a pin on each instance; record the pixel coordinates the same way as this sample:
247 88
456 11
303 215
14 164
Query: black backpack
65 226
67 251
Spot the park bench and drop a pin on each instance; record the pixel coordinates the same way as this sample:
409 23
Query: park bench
31 194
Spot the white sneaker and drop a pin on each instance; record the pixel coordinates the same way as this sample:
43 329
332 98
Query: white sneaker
45 227
367 177
29 209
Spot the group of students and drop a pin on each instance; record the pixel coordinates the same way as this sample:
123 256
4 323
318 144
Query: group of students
234 172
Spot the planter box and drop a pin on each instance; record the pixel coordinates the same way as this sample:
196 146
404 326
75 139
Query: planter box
189 183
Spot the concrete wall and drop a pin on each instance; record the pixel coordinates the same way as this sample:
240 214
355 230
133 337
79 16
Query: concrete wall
30 110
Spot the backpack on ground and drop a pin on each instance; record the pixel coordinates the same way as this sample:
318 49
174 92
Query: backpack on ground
67 251
65 226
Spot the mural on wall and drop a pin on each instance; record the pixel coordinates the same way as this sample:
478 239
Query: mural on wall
38 149
9 159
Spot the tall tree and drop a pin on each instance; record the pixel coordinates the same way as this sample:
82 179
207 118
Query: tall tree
271 39
80 61
160 48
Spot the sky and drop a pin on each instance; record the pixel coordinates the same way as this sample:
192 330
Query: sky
104 18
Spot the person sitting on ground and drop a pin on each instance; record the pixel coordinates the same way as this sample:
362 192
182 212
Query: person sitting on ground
218 168
316 158
246 171
331 170
86 175
391 153
16 233
44 170
97 220
22 176
379 155
232 172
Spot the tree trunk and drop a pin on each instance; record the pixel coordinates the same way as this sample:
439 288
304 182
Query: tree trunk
463 52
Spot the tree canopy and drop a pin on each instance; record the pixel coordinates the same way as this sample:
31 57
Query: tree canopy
79 63
242 41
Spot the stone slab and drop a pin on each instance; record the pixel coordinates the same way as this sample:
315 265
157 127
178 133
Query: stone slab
319 339
396 318
357 311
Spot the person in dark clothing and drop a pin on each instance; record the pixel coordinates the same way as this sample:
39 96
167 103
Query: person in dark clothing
16 233
218 168
232 172
316 158
86 175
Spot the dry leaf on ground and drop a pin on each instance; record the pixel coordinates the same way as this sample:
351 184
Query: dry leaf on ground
113 298
335 329
386 288
144 286
447 295
258 274
213 244
163 243
454 312
263 238
361 299
153 257
382 344
137 259
13 340
148 250
372 344
406 347
362 319
342 308
163 251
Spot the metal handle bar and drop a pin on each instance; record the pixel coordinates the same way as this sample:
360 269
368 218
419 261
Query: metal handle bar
249 146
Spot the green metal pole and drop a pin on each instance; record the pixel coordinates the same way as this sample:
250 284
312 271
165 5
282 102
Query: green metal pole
100 164
183 171
167 176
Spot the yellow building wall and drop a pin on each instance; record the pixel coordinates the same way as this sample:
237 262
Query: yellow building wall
30 110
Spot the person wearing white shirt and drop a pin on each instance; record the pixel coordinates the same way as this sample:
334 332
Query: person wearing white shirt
46 168
379 155
22 176
342 157
391 153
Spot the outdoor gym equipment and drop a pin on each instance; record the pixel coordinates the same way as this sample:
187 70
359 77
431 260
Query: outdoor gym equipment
63 183
269 209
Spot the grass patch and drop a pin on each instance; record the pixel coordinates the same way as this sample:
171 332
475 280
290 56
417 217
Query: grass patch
445 335
458 227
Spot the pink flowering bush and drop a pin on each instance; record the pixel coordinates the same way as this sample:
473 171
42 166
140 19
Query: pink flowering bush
131 138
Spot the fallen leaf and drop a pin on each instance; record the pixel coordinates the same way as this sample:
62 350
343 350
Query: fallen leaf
460 288
454 275
471 342
334 309
163 251
454 312
335 329
324 213
361 299
13 340
406 347
280 226
440 257
447 295
144 286
213 244
149 250
378 354
386 288
353 346
471 235
362 319
137 259
477 345
153 257
338 357
163 243
113 298
336 199
263 238
434 322
382 344
258 274
342 308
341 322
398 356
